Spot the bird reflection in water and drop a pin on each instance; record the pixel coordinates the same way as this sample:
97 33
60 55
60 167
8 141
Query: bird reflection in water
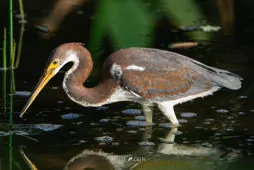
167 155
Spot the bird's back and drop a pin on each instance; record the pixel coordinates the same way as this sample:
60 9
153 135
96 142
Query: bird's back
164 75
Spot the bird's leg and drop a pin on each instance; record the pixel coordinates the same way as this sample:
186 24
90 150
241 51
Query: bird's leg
168 143
147 135
148 111
168 110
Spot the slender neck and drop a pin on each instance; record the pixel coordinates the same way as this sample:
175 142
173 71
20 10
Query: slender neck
78 74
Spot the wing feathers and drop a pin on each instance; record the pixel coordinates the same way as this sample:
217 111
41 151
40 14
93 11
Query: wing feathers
159 85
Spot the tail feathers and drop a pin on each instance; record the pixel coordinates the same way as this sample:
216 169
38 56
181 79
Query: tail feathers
221 77
226 79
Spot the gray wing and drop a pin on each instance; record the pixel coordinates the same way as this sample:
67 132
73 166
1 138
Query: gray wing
166 76
161 85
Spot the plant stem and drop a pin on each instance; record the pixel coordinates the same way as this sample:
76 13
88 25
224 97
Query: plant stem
4 49
21 10
13 54
11 32
20 45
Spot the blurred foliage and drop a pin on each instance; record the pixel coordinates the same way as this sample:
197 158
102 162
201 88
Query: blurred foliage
131 22
124 21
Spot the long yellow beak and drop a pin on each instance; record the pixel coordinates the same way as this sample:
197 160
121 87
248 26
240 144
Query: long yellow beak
48 74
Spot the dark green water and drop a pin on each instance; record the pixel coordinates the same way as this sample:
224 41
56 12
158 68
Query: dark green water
220 135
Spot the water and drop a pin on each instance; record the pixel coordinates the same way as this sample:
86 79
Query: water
216 132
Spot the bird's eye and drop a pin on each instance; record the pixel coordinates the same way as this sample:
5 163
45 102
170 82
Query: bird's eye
55 62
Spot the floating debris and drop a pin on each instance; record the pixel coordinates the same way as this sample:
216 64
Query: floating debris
188 115
70 116
138 123
106 139
131 112
47 127
222 111
183 45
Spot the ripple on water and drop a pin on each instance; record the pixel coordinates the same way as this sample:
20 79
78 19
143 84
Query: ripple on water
106 139
115 143
165 125
243 97
60 102
188 115
241 113
166 141
138 123
182 120
222 111
22 133
104 120
22 93
131 112
140 118
101 108
250 140
146 143
70 116
4 133
47 127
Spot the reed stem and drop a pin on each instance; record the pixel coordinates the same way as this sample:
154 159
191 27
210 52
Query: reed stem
4 50
22 28
11 32
13 54
21 10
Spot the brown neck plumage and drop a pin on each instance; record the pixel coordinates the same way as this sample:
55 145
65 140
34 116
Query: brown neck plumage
74 79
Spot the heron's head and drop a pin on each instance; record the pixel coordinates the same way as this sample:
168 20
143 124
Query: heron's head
60 56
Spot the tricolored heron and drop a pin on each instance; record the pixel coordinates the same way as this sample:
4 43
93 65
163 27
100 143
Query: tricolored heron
144 75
